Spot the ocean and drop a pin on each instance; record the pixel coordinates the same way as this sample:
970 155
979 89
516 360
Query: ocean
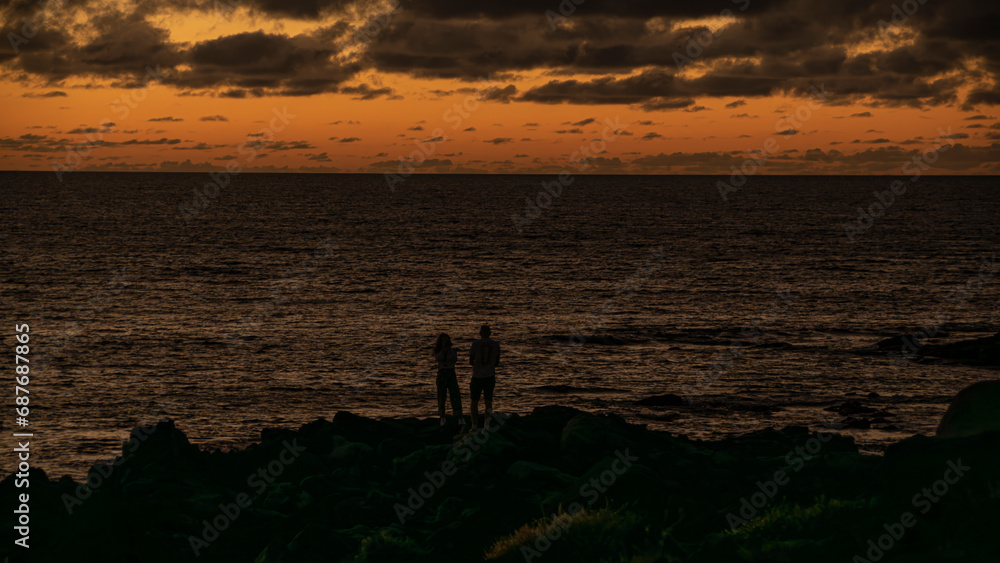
270 300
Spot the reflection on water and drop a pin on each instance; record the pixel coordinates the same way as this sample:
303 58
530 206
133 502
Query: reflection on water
294 296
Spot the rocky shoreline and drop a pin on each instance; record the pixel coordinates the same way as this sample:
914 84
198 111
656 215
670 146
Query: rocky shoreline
556 485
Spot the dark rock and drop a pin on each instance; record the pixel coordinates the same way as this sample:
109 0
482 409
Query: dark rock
536 473
661 417
851 422
977 352
850 408
587 435
396 490
974 410
556 411
915 463
668 400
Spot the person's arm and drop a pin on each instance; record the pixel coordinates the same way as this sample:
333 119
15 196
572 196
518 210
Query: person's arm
472 355
497 362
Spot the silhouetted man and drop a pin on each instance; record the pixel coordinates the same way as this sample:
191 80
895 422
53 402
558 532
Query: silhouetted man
484 356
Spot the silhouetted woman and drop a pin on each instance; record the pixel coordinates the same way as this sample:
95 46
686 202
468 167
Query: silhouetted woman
447 380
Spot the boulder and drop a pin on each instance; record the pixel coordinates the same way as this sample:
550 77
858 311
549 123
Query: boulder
977 352
976 409
850 408
538 475
852 422
586 436
557 411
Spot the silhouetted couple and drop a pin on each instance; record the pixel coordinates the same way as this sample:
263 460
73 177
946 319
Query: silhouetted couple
484 357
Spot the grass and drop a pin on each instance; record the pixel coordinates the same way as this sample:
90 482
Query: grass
598 535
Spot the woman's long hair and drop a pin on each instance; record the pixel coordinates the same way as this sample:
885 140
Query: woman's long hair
443 343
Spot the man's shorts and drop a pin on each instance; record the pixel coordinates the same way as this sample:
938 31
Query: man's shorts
483 386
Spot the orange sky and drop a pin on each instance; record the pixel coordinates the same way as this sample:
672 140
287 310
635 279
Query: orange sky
167 127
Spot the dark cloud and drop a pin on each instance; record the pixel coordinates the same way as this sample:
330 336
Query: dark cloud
167 118
797 44
653 89
428 165
51 94
301 9
365 92
213 118
774 46
986 97
198 147
493 9
642 88
892 159
288 145
124 47
500 140
271 63
503 95
240 93
161 141
685 161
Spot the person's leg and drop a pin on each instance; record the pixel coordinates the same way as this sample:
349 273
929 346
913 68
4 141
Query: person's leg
488 396
474 398
442 389
456 396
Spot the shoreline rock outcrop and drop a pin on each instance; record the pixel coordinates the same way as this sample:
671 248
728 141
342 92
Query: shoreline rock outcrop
558 484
